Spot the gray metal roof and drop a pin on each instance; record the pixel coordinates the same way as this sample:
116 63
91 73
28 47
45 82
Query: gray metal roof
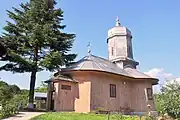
61 77
135 73
40 95
92 62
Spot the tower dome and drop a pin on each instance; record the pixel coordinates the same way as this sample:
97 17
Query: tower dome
120 49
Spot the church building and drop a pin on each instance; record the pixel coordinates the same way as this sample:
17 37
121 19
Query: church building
112 84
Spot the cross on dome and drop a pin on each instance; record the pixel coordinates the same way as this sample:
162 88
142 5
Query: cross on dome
117 22
89 48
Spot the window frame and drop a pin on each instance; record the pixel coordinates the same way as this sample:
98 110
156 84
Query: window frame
65 87
149 93
112 90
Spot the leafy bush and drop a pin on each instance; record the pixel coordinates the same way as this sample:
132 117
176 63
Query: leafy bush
171 96
22 98
168 101
8 109
10 97
159 102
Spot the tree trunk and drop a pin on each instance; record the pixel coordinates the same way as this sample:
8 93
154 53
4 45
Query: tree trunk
2 50
32 85
50 3
33 78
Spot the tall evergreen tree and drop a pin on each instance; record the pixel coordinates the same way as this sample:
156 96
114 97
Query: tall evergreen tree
36 41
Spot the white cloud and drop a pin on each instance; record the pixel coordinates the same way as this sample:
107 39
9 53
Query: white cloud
173 80
163 77
178 80
160 73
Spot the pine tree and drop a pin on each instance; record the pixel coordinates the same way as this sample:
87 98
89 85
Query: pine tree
35 40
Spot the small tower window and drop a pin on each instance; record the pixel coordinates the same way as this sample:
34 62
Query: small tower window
112 52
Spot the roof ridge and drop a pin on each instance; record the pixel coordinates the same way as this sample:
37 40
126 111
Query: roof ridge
93 62
100 57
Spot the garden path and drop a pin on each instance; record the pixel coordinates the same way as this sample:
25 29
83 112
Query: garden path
24 116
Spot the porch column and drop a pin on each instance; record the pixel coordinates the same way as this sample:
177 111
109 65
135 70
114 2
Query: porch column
49 96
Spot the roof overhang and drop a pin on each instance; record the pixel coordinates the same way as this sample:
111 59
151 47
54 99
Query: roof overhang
61 78
153 80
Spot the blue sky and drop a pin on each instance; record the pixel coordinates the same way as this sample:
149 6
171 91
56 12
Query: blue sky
154 25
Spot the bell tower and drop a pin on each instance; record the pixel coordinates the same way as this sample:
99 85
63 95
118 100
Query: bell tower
120 46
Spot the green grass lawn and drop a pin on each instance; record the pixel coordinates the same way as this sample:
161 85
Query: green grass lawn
80 116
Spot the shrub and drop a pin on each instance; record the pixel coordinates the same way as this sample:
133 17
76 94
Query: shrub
8 109
10 97
168 101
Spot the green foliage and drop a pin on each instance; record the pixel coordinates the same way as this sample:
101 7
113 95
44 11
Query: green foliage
5 92
150 118
14 89
171 95
21 97
8 109
159 102
35 40
168 101
81 116
10 97
36 28
42 88
123 117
